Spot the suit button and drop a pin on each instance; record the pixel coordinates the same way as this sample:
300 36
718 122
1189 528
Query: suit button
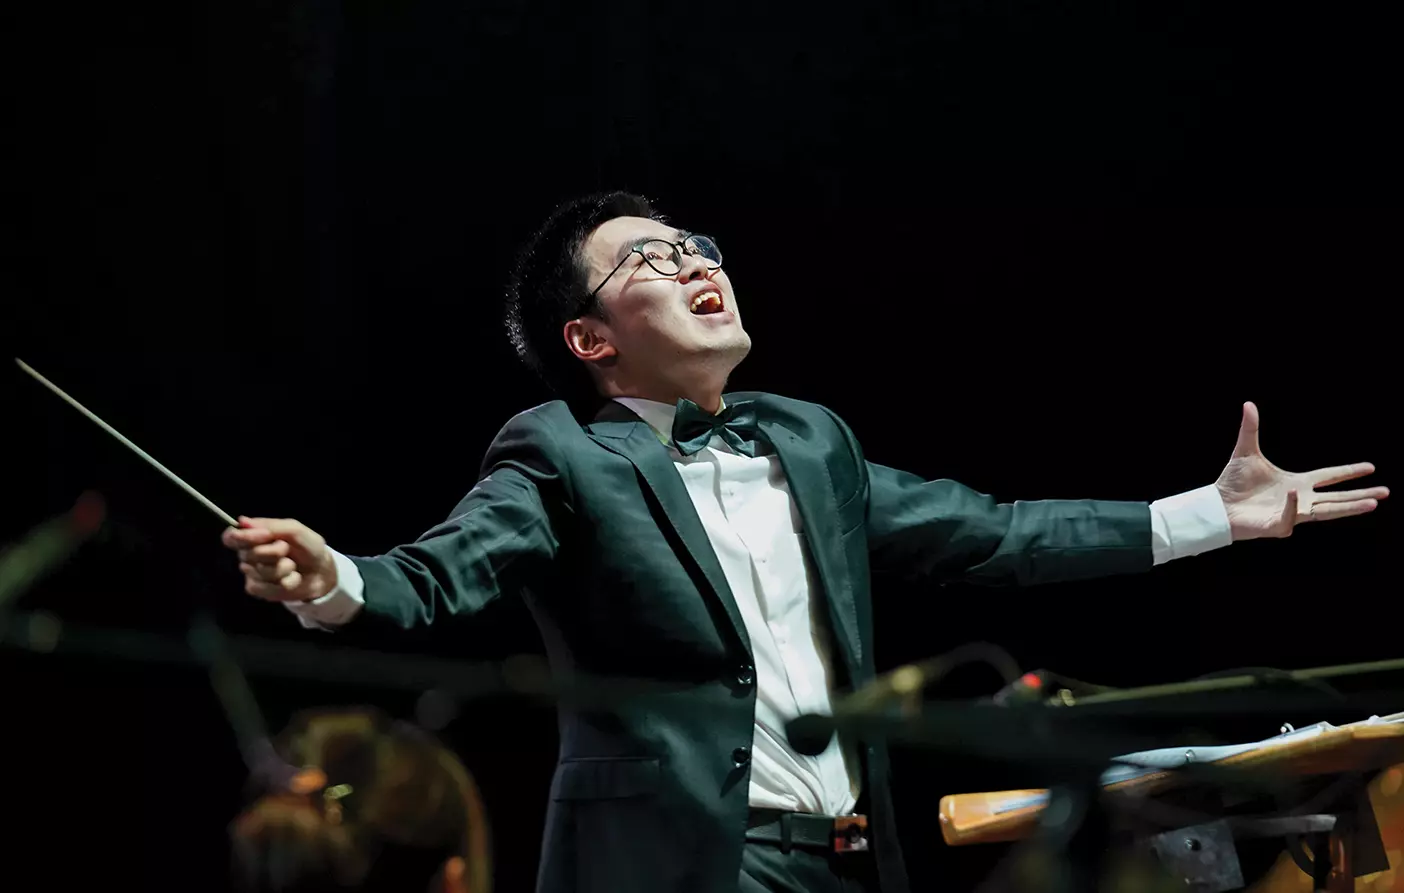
746 675
741 756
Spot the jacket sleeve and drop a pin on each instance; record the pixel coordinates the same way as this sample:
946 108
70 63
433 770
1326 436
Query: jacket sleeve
943 531
502 537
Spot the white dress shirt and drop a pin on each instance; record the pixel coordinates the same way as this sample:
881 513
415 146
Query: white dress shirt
754 527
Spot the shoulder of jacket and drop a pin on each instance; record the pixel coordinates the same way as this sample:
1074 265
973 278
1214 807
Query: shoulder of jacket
553 413
802 408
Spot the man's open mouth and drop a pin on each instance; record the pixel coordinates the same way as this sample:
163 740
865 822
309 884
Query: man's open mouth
707 302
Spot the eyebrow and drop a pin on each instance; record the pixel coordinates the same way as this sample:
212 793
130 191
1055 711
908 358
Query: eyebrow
679 235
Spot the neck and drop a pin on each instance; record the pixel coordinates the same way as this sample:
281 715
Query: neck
707 397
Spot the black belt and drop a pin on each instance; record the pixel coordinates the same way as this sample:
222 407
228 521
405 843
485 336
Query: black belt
836 834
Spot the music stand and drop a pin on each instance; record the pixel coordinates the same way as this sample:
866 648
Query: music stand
1337 770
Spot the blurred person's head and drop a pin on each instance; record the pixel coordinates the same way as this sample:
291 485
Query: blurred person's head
376 806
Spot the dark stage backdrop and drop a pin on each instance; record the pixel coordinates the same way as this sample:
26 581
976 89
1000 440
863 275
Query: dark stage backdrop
1044 249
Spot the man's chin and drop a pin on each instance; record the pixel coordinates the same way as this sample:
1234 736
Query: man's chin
721 357
736 347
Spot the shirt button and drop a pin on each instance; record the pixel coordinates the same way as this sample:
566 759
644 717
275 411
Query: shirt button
741 756
746 675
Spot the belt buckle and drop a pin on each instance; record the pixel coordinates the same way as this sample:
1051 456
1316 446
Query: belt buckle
850 834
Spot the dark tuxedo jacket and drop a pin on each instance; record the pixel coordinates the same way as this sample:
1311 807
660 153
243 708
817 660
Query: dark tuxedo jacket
593 525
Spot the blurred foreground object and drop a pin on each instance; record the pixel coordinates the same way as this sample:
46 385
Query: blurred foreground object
377 806
47 546
1340 817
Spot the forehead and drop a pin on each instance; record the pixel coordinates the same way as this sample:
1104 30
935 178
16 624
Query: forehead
614 237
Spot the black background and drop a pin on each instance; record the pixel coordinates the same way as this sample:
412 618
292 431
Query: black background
1044 249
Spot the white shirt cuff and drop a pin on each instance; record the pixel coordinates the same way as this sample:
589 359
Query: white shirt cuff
1189 524
338 606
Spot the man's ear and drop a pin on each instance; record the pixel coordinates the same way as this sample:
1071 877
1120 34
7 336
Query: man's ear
587 341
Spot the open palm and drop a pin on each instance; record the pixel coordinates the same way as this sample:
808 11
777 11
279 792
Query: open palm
1263 500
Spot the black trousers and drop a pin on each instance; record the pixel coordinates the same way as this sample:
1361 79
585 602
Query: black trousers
765 869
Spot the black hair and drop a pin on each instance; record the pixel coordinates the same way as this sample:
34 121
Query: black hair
548 288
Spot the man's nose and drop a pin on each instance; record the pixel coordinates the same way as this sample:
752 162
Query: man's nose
693 267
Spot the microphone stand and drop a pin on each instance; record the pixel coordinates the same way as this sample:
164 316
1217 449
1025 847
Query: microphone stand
1144 696
890 708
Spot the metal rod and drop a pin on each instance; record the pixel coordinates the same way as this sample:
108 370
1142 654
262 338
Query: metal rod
1232 683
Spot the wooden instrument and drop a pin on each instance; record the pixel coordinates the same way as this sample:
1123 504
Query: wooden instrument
1372 748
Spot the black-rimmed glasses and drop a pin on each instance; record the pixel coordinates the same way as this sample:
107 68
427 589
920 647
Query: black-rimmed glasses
666 257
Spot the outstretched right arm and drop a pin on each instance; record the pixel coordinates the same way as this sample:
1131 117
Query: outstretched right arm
501 537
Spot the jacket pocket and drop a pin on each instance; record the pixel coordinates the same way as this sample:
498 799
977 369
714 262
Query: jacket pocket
606 778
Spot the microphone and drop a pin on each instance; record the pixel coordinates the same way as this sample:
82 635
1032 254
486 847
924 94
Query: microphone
1027 689
898 694
1045 687
810 733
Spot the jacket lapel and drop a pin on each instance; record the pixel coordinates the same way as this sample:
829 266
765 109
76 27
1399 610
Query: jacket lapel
620 431
813 492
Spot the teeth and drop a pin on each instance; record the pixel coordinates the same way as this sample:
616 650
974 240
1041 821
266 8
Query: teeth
702 299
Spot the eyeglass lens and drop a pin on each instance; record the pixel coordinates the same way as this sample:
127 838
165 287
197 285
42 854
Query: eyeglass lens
664 256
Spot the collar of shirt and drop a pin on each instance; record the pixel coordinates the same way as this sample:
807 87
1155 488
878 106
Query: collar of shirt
659 416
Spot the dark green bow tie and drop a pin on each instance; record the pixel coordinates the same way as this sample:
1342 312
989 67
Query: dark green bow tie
693 427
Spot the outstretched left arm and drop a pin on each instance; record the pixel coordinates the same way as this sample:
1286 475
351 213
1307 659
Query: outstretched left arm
945 531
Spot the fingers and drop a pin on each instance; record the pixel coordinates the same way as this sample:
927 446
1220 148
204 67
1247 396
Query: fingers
1350 495
243 538
1330 511
284 590
281 559
262 531
1337 473
270 573
269 552
278 526
1247 444
271 560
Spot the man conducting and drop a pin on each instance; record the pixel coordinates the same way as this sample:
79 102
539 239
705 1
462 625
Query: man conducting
722 542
